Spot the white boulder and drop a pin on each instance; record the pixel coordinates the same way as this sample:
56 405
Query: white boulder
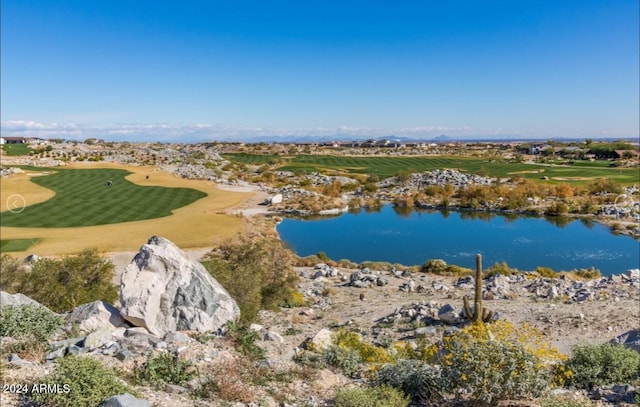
163 291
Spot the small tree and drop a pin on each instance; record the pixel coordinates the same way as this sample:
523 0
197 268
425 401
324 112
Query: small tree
63 284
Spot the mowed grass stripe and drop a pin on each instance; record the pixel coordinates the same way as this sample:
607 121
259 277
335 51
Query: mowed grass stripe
84 199
16 245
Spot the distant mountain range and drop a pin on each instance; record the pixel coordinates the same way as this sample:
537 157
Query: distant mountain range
441 139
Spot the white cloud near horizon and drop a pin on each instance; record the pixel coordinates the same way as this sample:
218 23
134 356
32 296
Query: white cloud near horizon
200 132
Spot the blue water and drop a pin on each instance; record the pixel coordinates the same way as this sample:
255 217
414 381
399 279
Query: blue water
416 236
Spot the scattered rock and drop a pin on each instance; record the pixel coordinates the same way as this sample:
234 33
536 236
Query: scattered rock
629 340
449 315
322 340
125 400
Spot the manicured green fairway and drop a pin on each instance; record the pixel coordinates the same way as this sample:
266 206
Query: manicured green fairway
16 149
16 245
83 198
385 167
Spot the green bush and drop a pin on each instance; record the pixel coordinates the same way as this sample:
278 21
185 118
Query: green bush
598 365
244 340
434 266
28 321
482 362
163 368
418 380
81 382
257 272
30 326
347 360
382 396
440 267
63 284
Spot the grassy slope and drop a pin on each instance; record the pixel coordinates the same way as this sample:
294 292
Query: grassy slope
16 149
389 166
83 199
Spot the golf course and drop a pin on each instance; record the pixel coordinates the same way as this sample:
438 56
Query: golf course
112 207
384 167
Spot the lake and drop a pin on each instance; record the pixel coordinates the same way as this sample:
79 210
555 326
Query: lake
412 237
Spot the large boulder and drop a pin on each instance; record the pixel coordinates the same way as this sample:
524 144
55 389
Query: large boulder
629 340
16 300
94 315
162 290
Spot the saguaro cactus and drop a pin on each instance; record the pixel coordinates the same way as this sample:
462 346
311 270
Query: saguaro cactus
479 313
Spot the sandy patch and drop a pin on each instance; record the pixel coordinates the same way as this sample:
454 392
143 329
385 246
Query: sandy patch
571 178
527 172
200 224
20 184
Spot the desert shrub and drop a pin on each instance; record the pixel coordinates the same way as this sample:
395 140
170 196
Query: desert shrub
598 365
440 267
434 266
418 380
244 340
368 352
28 321
557 208
588 274
30 326
163 368
256 271
545 272
347 360
381 396
566 401
495 361
227 384
63 284
81 381
10 267
499 268
296 299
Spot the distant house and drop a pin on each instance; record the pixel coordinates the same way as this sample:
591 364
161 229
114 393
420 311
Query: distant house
537 148
13 140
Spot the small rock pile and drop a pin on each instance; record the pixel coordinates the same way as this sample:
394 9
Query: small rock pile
316 179
365 278
442 177
5 172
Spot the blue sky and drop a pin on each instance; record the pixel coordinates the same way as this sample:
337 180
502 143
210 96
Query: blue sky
205 70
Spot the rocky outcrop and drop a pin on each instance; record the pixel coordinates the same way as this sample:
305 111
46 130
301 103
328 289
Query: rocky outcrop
16 300
95 315
629 340
163 291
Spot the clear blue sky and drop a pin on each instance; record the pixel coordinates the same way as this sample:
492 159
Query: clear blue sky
198 70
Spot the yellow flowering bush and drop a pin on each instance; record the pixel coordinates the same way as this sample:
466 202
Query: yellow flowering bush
496 361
